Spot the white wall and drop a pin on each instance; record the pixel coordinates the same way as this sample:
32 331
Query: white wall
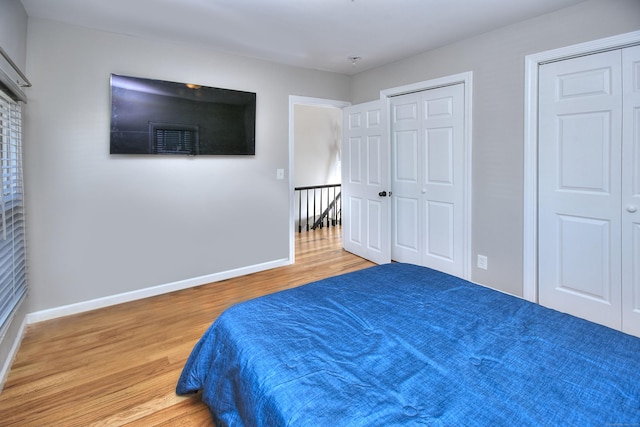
318 136
101 225
497 62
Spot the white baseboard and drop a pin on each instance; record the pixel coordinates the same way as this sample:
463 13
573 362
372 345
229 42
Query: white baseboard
80 307
53 313
4 373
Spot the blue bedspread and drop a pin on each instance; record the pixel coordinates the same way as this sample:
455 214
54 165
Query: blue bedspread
397 345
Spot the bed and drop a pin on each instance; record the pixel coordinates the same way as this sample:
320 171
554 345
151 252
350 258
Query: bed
403 345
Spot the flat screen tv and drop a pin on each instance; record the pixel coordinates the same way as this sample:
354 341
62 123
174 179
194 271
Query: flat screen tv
161 117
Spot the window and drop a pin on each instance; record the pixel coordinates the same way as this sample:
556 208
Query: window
169 138
13 271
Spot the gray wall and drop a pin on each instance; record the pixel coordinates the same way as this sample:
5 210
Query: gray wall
13 31
102 225
90 215
13 39
497 62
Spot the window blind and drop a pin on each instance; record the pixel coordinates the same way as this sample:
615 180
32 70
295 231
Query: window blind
174 141
13 271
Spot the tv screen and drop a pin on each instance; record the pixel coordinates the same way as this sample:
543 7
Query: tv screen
161 117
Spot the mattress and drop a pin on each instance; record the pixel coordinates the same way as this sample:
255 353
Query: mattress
403 345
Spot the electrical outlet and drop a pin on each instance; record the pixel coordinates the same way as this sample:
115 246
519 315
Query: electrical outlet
482 262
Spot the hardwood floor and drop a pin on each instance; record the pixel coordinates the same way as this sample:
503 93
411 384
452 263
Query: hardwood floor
120 365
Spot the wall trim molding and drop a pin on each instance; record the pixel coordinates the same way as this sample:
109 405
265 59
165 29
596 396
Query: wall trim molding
530 193
4 373
80 307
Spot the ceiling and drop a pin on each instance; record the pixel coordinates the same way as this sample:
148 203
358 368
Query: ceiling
317 34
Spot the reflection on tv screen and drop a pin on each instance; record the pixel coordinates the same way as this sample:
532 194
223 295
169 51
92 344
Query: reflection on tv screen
161 117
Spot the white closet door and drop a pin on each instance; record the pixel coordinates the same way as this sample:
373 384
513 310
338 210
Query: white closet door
579 187
427 178
631 191
443 178
406 183
365 182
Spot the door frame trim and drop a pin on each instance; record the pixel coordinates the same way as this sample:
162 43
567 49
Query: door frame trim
530 195
466 79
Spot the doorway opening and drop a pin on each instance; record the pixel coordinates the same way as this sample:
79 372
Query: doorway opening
315 136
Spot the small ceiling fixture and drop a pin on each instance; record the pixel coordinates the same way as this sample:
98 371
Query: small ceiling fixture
192 86
354 59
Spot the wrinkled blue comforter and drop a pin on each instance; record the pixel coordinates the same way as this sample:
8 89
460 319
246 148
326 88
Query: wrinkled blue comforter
397 345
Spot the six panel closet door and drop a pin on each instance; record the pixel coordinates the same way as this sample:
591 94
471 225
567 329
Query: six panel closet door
427 178
589 187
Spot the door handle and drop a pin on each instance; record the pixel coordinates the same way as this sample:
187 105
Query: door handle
382 194
631 208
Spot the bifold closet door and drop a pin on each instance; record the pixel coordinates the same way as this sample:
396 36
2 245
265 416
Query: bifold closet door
427 178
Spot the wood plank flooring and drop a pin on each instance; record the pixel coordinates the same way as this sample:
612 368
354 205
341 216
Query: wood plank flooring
119 365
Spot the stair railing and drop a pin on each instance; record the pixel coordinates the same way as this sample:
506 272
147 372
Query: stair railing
318 206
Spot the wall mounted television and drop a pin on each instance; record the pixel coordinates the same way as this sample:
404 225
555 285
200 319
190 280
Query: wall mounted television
162 117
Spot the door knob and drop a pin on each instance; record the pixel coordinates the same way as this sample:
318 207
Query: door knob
632 208
382 194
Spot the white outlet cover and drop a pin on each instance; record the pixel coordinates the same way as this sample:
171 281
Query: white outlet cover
482 262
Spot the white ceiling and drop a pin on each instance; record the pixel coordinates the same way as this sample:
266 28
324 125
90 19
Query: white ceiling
318 34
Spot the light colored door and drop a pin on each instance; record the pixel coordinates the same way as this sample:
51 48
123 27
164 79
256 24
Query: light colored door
631 191
427 178
406 178
365 182
580 187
